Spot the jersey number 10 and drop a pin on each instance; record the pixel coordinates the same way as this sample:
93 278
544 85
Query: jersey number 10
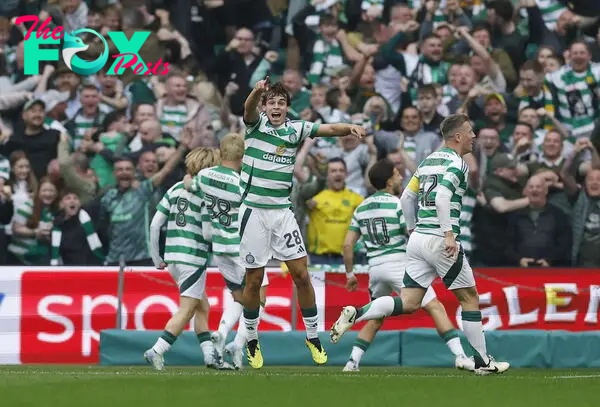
377 229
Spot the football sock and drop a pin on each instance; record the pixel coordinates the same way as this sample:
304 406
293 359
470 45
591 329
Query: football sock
359 349
453 341
474 332
260 314
310 318
380 308
207 347
251 318
163 344
231 315
241 336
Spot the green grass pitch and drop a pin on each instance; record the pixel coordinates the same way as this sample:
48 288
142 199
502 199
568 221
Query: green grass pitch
91 386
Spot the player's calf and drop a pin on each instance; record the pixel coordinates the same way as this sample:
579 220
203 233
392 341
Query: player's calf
177 323
362 343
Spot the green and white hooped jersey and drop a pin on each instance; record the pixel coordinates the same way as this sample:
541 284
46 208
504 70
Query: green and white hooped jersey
269 159
380 222
466 215
551 11
441 169
185 243
173 120
219 188
577 98
4 168
23 247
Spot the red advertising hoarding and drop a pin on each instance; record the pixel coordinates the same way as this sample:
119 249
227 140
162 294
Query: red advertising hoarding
545 299
55 315
62 314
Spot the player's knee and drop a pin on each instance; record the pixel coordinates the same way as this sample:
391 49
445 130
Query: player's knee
301 278
253 281
434 307
468 297
410 306
237 295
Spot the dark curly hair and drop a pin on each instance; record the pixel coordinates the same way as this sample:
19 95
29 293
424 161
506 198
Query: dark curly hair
275 90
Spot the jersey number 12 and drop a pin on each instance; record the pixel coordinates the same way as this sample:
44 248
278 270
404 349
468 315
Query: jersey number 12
427 187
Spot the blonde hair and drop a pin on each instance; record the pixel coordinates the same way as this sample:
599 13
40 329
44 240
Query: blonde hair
232 147
201 158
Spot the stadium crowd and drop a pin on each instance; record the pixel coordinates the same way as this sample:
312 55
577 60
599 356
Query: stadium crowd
527 72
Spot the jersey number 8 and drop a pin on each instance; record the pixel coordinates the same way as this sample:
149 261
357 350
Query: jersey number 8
182 205
221 213
377 229
427 187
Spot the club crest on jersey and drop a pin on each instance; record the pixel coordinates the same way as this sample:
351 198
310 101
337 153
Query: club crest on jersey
293 137
250 258
280 150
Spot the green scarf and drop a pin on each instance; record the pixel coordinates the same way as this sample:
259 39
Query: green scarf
90 234
325 55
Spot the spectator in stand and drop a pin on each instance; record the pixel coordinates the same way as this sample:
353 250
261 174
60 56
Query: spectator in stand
585 249
463 94
56 107
559 34
418 143
66 80
395 67
236 64
124 209
504 32
427 103
532 91
493 67
488 144
310 173
32 226
74 238
22 183
495 115
522 145
76 172
6 206
539 235
177 111
111 91
535 118
330 213
38 143
87 121
575 85
300 97
75 14
502 194
113 138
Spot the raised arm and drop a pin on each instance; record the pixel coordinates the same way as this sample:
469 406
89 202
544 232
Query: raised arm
251 113
173 161
340 130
